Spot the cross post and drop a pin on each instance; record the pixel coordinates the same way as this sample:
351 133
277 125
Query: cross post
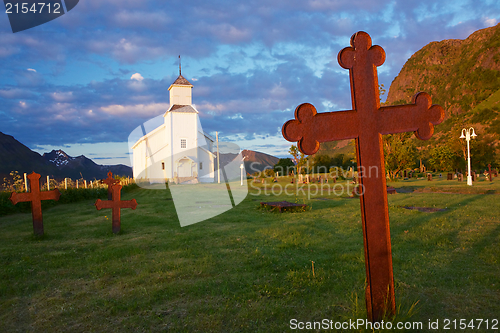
116 205
366 123
110 181
489 172
36 197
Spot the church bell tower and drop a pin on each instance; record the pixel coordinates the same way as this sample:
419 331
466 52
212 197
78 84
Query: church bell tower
180 90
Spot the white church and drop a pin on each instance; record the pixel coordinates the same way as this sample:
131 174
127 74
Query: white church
178 150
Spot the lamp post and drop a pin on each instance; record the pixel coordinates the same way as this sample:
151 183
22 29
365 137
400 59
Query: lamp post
242 167
218 163
467 134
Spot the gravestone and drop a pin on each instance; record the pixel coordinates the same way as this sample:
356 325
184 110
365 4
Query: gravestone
110 181
460 177
36 197
489 172
450 176
366 123
429 176
116 204
473 174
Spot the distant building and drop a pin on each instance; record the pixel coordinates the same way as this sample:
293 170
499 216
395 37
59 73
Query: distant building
178 150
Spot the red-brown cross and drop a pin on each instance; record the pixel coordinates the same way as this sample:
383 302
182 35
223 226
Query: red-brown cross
366 123
116 204
110 181
36 197
489 172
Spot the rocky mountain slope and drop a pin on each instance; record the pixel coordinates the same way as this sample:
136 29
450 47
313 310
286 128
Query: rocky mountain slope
458 74
463 76
254 161
14 156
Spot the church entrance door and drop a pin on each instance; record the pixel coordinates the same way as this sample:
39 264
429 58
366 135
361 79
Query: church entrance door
184 169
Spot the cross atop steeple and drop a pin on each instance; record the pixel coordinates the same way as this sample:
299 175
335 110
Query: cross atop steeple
180 65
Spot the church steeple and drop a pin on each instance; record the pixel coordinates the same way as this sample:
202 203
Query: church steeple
180 90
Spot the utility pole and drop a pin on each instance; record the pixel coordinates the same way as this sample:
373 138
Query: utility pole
218 163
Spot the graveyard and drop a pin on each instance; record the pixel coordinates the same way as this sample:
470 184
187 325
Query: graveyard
250 269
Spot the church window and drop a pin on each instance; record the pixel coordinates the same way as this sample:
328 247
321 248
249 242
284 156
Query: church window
183 143
201 165
163 165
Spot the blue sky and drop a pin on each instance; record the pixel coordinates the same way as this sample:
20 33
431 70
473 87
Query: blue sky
84 81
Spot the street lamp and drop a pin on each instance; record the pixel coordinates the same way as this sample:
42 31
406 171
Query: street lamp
242 167
467 134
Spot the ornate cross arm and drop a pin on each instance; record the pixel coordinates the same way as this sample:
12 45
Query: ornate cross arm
50 195
310 128
15 197
100 204
419 117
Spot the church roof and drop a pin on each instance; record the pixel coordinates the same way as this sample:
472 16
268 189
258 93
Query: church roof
182 108
182 81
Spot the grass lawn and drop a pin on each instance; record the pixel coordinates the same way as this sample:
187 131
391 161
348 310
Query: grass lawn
249 269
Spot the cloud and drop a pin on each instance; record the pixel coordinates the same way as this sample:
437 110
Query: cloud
142 110
490 21
137 77
157 20
62 96
253 62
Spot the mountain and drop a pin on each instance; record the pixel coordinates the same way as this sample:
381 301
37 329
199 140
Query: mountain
254 161
14 156
458 74
76 167
463 76
257 161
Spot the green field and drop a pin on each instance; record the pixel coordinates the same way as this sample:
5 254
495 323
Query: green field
249 269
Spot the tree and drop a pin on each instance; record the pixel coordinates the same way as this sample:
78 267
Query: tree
442 158
284 166
483 152
299 159
399 152
381 91
321 163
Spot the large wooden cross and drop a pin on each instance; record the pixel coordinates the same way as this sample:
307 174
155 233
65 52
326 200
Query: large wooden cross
116 205
366 123
36 197
110 181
